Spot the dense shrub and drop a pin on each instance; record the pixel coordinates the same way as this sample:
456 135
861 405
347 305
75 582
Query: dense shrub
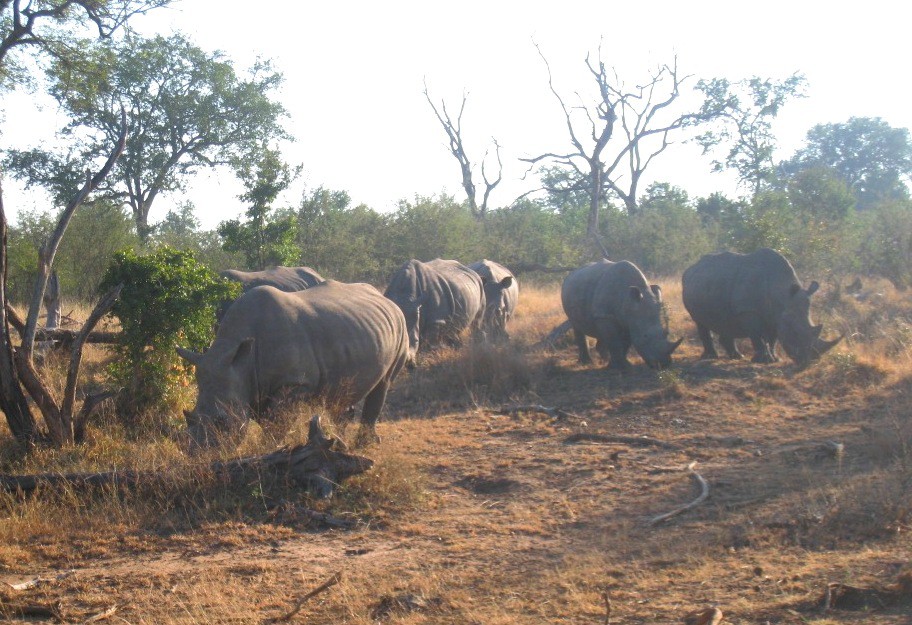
169 299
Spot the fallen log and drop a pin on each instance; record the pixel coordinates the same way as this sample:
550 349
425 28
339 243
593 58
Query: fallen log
318 465
704 493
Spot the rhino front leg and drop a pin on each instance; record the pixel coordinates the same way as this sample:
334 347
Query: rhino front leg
617 346
728 344
709 350
762 353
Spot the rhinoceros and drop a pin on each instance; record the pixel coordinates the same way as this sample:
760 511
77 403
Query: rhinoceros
757 296
288 279
501 291
440 299
335 342
612 302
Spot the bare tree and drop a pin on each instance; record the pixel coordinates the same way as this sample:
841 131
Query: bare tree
457 149
619 125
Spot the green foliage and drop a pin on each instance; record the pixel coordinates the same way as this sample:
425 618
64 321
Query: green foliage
96 231
748 108
186 109
818 192
887 245
866 153
266 238
340 240
168 300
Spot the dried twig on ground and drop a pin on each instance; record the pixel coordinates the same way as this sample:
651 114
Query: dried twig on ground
638 441
329 583
101 615
555 413
704 493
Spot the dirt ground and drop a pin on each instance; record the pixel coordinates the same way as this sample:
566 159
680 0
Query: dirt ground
528 517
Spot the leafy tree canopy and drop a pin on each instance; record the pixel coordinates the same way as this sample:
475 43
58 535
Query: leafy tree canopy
744 126
186 108
872 157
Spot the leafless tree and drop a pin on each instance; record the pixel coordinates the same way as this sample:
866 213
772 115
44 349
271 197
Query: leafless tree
457 149
628 128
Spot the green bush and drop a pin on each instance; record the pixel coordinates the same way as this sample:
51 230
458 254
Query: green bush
168 300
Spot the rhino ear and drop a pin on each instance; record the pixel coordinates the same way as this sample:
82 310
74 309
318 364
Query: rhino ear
244 349
813 287
636 294
657 291
189 355
507 282
794 289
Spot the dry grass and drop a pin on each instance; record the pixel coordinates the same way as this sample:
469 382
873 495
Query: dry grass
470 516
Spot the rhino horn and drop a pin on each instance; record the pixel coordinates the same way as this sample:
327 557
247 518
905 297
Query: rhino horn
189 355
675 345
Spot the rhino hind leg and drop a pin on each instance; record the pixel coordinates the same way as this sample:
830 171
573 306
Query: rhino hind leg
370 413
582 345
709 350
728 344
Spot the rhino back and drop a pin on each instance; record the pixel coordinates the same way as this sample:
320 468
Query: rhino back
283 278
464 299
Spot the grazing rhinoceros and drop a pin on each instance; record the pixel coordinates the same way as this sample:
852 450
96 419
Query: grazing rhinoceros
613 303
501 296
439 298
757 296
336 342
288 279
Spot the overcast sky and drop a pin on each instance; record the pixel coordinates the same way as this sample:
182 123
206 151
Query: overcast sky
354 75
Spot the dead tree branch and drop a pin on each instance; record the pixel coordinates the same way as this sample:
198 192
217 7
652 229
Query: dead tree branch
453 131
704 493
329 583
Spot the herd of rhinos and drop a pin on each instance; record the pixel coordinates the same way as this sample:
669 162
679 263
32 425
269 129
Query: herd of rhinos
291 331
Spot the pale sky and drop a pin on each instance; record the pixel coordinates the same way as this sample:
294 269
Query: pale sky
354 75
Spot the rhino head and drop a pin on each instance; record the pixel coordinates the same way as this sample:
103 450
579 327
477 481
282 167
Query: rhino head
643 312
495 312
799 337
226 381
411 310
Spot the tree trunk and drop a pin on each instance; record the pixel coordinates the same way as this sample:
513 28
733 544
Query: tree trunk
12 400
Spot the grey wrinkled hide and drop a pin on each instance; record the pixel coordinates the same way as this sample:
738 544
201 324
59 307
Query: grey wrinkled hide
501 291
440 299
755 296
289 279
336 342
611 302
